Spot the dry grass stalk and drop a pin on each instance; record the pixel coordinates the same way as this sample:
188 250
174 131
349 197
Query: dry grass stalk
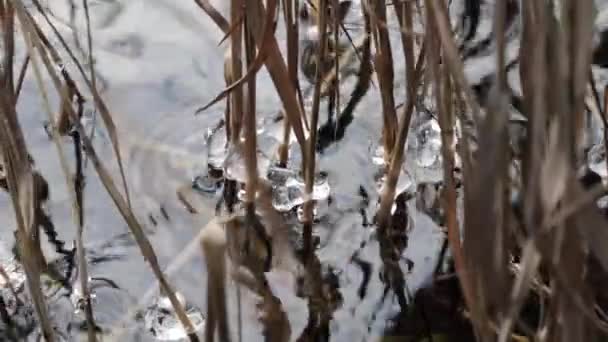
437 14
235 72
557 251
335 96
213 245
292 26
309 166
275 64
82 265
414 73
23 186
223 240
383 62
99 103
250 147
123 206
25 195
79 197
334 130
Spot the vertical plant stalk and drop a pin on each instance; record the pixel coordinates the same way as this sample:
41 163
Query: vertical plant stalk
19 175
82 264
383 216
533 72
383 61
85 5
7 19
334 100
213 243
437 15
142 241
292 67
250 148
274 64
236 71
23 190
99 103
22 73
405 16
79 189
309 171
580 16
604 113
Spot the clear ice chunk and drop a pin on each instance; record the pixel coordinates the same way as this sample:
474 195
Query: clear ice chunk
405 183
160 319
236 169
319 210
216 146
289 188
428 145
204 183
597 160
378 156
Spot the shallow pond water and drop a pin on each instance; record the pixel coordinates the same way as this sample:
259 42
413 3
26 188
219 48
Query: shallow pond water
158 61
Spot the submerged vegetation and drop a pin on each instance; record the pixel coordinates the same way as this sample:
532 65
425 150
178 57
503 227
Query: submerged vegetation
519 198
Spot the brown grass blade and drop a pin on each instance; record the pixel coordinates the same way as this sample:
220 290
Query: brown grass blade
99 103
388 195
278 72
309 166
20 181
383 61
123 207
250 147
75 188
254 67
142 241
235 65
216 16
440 18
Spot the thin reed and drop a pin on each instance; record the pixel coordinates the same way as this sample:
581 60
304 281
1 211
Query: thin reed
524 238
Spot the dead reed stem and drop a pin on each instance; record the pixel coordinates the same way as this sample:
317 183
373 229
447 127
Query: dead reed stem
383 62
334 100
124 208
21 183
99 103
250 121
413 74
82 265
79 189
275 64
309 171
235 73
289 15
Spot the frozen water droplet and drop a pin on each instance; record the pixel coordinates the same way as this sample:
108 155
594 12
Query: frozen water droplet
160 319
291 193
405 183
236 167
378 156
216 147
428 145
597 160
279 175
319 210
205 184
321 188
285 198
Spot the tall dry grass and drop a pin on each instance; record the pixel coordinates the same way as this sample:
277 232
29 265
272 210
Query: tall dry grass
547 247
